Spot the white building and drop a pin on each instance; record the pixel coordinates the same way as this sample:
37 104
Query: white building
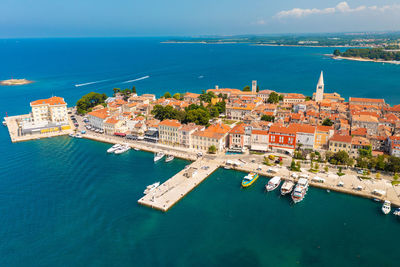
168 131
96 118
51 110
259 140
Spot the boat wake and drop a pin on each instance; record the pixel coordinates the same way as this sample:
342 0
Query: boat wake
138 79
89 83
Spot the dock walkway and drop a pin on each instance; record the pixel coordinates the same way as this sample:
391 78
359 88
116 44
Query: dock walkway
175 188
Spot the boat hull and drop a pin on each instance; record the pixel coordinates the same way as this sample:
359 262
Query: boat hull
247 183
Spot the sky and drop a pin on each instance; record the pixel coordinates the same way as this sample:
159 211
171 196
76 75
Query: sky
91 18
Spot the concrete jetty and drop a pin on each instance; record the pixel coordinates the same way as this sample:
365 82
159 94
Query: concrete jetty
175 188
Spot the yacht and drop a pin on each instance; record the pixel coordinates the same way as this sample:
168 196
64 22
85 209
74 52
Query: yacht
287 187
169 158
386 207
151 187
300 190
273 183
158 156
4 123
249 179
114 148
122 149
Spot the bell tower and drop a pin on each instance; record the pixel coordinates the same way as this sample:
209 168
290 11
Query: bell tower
319 94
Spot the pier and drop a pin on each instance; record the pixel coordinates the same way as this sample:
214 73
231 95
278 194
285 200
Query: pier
175 188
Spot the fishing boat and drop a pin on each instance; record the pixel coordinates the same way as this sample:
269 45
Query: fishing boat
158 156
249 179
300 190
169 158
114 148
122 149
273 183
397 212
287 187
386 207
151 187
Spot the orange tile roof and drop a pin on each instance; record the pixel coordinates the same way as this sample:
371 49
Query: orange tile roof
341 138
55 100
112 121
368 100
359 131
100 113
171 123
323 128
238 129
259 132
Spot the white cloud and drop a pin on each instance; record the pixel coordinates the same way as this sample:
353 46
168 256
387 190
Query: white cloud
342 7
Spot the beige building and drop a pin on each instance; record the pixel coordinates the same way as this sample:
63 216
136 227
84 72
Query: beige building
216 135
340 143
371 123
168 131
53 109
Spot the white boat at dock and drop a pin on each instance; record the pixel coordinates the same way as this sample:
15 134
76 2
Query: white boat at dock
158 156
386 207
169 158
397 212
71 135
78 136
273 183
300 190
114 148
287 187
151 187
122 149
4 123
137 149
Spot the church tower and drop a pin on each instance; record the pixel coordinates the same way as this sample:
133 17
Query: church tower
319 95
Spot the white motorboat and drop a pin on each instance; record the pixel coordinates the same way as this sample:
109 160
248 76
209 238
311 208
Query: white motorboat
287 187
158 156
71 135
78 136
122 149
137 149
114 148
169 158
4 123
300 190
151 187
273 183
386 207
397 212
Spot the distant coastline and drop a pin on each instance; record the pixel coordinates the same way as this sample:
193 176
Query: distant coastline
364 59
15 82
251 43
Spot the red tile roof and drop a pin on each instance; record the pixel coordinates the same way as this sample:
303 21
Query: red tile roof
55 100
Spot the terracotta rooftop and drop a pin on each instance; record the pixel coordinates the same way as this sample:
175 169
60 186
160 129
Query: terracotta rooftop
171 123
55 100
100 113
341 138
366 100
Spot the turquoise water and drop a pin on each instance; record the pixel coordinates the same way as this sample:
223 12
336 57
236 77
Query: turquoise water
66 202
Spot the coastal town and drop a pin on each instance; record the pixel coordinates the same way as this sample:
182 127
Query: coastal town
348 146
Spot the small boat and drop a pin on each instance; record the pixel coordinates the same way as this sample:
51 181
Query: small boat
114 148
4 123
169 158
249 179
158 156
287 187
273 183
122 149
137 149
328 191
386 207
227 167
78 136
151 187
300 190
397 212
71 135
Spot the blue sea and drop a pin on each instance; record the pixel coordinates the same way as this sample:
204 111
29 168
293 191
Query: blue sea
66 202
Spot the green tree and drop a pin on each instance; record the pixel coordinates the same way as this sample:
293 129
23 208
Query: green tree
134 90
214 112
177 96
221 106
246 89
327 122
206 97
198 116
273 98
116 90
281 97
212 149
293 166
267 118
326 168
336 52
167 95
88 101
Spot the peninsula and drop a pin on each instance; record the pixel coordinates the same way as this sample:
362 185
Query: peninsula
348 146
380 55
15 82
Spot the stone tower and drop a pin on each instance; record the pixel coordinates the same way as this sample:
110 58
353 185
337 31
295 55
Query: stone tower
319 94
254 87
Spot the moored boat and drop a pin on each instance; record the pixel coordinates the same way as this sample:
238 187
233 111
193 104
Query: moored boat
78 136
386 207
169 158
4 123
158 156
151 187
273 183
287 187
114 148
71 135
397 212
249 179
300 190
